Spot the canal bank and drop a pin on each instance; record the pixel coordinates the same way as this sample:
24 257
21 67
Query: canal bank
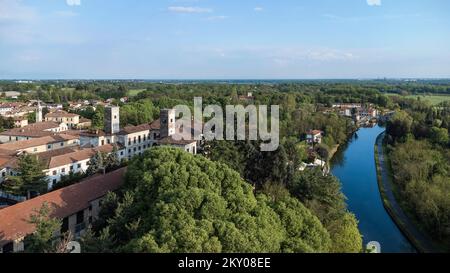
421 241
353 164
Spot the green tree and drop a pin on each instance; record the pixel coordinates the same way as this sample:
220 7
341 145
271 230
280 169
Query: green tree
399 126
345 235
112 159
30 177
42 240
31 117
177 202
98 117
439 136
101 243
323 196
96 163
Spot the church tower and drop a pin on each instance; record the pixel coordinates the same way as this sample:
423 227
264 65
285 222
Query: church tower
167 117
112 120
39 112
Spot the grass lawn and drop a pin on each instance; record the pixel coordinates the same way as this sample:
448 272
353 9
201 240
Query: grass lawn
134 92
434 99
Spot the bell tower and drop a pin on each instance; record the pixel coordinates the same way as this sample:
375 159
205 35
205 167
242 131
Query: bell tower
167 117
39 112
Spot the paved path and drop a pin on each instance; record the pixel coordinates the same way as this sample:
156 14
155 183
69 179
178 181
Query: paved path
420 240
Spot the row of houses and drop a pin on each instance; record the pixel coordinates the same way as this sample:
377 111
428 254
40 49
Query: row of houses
63 150
69 151
356 111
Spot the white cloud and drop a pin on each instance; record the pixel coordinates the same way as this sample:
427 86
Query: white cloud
285 54
258 9
13 10
73 2
374 2
180 9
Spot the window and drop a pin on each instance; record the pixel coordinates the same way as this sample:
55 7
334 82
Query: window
134 149
63 170
35 149
79 166
103 142
49 146
121 153
134 140
54 181
80 217
3 174
65 225
8 248
139 139
71 168
54 172
62 144
109 141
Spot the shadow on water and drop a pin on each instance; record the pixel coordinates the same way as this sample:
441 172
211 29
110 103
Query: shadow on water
339 157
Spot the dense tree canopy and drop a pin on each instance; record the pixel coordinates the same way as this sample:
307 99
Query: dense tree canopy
420 164
177 202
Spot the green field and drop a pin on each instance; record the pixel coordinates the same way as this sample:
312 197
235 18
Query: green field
134 92
434 99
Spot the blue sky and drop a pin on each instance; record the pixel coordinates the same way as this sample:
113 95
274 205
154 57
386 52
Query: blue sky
212 39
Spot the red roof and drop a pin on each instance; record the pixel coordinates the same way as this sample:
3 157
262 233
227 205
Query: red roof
314 132
65 202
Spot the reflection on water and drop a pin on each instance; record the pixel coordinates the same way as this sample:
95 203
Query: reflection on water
354 165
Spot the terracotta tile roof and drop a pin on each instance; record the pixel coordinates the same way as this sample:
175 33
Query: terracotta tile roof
171 141
155 125
65 202
20 118
135 129
91 133
24 144
61 114
314 132
5 160
76 133
83 120
33 130
77 155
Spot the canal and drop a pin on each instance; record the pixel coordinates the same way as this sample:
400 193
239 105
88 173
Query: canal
354 165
